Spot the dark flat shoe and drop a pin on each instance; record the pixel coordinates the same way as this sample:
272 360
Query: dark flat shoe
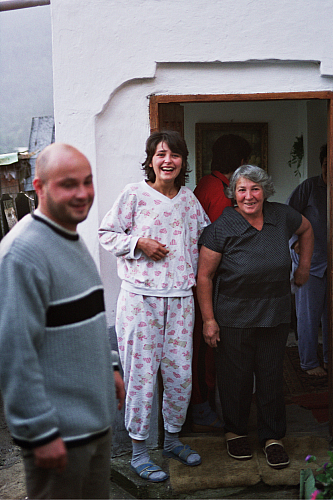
238 448
276 456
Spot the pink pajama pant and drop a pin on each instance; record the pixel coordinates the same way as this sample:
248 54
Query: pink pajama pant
155 332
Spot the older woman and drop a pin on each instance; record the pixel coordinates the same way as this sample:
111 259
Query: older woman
245 253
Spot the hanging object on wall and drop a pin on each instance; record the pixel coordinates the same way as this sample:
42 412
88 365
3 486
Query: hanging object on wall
297 155
42 134
8 213
24 205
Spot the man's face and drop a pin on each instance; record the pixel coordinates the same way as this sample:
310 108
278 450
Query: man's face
68 192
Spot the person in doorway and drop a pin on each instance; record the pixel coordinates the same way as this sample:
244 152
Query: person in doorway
246 250
57 373
153 228
310 199
228 153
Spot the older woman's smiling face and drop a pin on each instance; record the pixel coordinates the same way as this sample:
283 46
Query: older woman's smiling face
249 197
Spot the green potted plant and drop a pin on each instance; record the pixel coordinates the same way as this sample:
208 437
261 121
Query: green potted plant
320 486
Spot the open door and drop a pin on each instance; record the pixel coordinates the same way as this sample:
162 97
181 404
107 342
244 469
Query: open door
164 114
171 117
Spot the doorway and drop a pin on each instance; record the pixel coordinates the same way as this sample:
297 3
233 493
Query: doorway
173 111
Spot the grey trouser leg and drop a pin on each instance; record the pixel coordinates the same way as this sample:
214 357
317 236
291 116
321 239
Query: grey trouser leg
87 474
311 308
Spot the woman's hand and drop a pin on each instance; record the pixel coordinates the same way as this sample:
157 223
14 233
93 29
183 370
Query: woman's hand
152 248
120 389
295 247
211 332
208 263
301 276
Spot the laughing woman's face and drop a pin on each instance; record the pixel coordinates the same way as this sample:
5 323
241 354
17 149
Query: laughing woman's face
166 164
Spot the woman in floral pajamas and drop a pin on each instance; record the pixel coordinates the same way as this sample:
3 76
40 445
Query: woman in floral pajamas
153 228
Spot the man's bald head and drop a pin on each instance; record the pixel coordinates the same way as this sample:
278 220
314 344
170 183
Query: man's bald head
52 156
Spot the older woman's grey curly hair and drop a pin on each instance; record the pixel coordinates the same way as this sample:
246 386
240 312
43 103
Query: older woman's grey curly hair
254 174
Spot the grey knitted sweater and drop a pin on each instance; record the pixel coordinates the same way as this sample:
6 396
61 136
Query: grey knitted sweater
56 373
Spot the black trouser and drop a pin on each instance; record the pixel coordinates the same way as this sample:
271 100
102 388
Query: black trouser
241 353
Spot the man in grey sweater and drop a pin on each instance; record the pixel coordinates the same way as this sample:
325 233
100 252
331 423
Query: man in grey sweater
57 373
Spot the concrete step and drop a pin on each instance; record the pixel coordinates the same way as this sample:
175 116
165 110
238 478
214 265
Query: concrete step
135 487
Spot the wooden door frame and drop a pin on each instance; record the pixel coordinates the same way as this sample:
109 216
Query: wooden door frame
155 100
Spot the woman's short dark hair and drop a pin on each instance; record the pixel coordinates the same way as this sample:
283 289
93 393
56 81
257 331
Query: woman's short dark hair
254 174
323 153
229 151
177 145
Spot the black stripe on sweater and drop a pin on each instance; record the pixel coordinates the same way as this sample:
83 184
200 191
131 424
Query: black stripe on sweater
38 442
69 236
75 311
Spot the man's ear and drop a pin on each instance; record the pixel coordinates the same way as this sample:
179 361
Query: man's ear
38 185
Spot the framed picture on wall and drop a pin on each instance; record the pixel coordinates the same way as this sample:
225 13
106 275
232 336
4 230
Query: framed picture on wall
207 133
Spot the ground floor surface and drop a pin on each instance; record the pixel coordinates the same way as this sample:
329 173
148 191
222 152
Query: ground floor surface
219 476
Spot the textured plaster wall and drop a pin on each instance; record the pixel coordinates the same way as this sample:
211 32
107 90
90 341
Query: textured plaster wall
97 46
109 56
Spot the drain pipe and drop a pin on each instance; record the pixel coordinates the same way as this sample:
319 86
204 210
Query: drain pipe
21 4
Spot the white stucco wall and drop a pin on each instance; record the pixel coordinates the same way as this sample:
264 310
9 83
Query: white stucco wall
109 56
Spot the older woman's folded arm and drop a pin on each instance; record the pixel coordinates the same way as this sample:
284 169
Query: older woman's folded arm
306 242
207 265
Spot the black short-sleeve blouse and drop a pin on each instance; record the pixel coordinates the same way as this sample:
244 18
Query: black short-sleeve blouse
252 287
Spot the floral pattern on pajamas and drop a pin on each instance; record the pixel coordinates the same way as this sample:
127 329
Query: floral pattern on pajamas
155 332
155 310
141 211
